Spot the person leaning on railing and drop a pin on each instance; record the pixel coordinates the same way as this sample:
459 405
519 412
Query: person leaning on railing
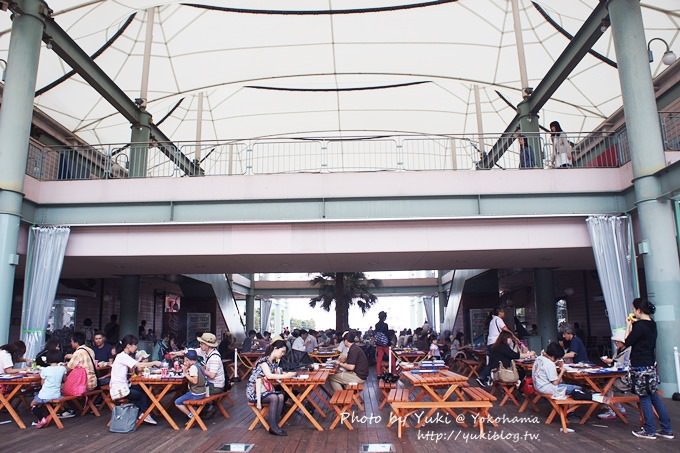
563 156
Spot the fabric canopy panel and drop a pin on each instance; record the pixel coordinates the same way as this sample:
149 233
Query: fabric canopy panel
45 257
340 67
428 303
615 260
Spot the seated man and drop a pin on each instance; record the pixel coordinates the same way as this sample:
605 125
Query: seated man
544 372
197 382
577 350
354 369
102 350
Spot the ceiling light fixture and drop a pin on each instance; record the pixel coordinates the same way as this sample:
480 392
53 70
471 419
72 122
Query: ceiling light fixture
668 56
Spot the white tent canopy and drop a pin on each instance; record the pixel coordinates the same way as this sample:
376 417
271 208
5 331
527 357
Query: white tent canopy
267 72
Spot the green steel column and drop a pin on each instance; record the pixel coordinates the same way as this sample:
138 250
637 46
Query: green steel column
129 305
662 271
139 148
546 310
15 125
528 126
250 313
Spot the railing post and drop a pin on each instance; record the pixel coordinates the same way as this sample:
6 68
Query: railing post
400 155
324 157
249 159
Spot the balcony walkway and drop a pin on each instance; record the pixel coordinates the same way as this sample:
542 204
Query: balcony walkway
88 434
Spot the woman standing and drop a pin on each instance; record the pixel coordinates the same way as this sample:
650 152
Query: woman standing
641 337
382 342
562 156
266 369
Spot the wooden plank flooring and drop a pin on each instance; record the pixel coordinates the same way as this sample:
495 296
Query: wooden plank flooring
89 434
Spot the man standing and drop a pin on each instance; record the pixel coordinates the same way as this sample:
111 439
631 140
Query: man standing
352 370
112 329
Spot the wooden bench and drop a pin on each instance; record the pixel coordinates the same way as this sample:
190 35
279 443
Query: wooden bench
396 395
197 406
54 406
633 400
385 388
260 416
508 392
357 389
342 402
469 367
89 402
563 408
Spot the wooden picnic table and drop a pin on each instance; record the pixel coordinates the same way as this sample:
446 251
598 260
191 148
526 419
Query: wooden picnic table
16 384
599 382
248 360
428 383
305 388
322 356
156 388
410 356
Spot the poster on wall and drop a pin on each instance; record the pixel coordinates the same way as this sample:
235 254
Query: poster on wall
478 325
172 303
197 323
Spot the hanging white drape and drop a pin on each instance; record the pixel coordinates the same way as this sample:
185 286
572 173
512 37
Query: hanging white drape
612 241
265 310
45 257
428 302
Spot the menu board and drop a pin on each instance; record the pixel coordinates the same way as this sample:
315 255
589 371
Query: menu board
197 323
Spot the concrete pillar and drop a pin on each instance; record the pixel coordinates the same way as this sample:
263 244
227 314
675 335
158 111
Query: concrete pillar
546 310
139 148
250 313
15 125
657 229
129 305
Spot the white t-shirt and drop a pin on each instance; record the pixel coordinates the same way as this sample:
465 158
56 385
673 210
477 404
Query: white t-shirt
434 350
544 372
495 328
120 386
5 360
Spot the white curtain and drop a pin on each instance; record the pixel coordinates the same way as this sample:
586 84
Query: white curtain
46 248
428 302
265 310
612 241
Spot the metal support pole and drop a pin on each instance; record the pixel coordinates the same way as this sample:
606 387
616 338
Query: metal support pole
250 312
146 62
199 127
129 305
139 148
519 42
546 310
662 271
480 122
15 125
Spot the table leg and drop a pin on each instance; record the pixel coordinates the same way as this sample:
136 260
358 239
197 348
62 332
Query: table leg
5 403
297 403
593 385
156 403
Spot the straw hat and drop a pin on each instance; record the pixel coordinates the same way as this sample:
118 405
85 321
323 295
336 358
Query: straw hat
619 335
208 339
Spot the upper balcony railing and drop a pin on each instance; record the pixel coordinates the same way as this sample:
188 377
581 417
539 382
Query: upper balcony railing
332 155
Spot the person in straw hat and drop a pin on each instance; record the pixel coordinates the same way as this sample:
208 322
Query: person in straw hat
212 361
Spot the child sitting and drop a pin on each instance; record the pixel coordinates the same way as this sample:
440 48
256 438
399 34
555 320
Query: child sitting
197 384
434 353
52 376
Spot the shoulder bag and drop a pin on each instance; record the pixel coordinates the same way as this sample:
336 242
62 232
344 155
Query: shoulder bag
124 418
506 375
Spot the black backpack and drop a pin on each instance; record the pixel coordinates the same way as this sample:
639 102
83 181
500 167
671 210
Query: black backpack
294 360
582 395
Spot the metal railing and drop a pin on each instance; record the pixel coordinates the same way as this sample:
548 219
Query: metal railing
330 155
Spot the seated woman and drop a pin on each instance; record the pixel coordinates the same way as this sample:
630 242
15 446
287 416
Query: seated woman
504 351
620 360
9 355
544 372
197 382
52 375
120 385
267 368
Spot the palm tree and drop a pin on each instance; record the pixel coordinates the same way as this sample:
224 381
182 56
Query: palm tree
343 288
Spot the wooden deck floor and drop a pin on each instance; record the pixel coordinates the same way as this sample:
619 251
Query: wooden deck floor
88 434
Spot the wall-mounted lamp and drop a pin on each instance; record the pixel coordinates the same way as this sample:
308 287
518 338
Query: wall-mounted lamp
668 56
4 68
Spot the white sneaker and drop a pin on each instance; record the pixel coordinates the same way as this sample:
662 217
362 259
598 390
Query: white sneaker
67 414
149 419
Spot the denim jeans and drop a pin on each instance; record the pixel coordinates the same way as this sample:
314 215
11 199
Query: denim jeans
646 403
486 369
139 399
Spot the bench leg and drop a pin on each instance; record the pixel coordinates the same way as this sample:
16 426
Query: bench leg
196 418
221 408
259 418
54 410
338 416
